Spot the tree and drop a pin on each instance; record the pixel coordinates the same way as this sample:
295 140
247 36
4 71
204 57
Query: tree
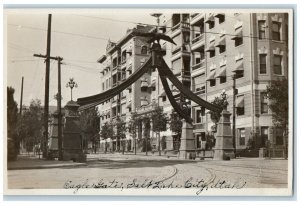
145 119
176 124
12 120
277 93
32 125
90 126
121 131
133 123
106 132
159 122
220 102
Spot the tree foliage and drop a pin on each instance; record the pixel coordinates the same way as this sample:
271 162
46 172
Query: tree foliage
221 102
12 124
121 127
159 119
175 123
90 125
106 131
133 123
277 93
32 124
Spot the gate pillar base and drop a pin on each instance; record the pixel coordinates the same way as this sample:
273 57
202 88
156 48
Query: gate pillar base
224 143
72 140
187 144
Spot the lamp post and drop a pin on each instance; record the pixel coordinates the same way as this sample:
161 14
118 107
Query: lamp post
71 84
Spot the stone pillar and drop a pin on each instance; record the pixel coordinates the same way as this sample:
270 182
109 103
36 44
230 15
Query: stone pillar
187 144
53 138
224 143
72 139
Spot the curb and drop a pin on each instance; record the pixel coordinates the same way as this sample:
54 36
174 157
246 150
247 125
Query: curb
48 166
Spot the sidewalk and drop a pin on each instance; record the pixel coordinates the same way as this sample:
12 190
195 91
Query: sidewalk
33 162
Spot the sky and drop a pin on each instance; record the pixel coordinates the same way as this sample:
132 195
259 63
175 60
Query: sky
78 36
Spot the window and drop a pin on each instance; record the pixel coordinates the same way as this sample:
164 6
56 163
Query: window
264 136
198 116
222 79
240 107
103 86
144 50
222 49
262 63
261 30
277 65
198 83
242 136
212 53
279 136
212 82
164 98
263 103
221 18
238 41
211 24
276 31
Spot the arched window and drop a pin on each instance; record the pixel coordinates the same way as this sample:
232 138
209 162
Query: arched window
144 50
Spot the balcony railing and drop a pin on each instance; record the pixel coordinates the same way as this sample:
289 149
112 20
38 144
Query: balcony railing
182 25
115 67
199 126
198 65
199 91
198 38
194 15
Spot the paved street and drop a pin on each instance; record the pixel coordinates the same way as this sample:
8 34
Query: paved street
116 170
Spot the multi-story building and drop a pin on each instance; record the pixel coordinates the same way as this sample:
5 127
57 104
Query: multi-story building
250 49
120 61
214 51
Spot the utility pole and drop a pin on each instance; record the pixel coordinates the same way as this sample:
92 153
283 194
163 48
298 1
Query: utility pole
21 99
20 113
60 153
233 113
46 102
157 15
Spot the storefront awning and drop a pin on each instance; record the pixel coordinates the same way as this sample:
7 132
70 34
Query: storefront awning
152 85
129 68
210 19
211 75
222 72
238 34
240 102
210 48
239 67
144 84
128 106
218 15
163 94
221 42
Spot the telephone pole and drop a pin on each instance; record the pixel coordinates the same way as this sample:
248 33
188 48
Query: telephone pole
233 113
46 102
21 99
60 153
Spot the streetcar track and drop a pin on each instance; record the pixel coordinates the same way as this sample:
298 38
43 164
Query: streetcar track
250 167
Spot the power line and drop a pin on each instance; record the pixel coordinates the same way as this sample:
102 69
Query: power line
15 61
146 24
60 32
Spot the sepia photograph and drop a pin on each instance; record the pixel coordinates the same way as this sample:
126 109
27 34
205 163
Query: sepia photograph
148 102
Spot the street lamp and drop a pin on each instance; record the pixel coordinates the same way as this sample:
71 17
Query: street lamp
71 84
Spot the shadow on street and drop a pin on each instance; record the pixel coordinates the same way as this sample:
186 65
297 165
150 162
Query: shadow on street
116 164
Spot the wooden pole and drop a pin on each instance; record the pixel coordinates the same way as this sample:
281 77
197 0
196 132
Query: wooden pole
60 153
